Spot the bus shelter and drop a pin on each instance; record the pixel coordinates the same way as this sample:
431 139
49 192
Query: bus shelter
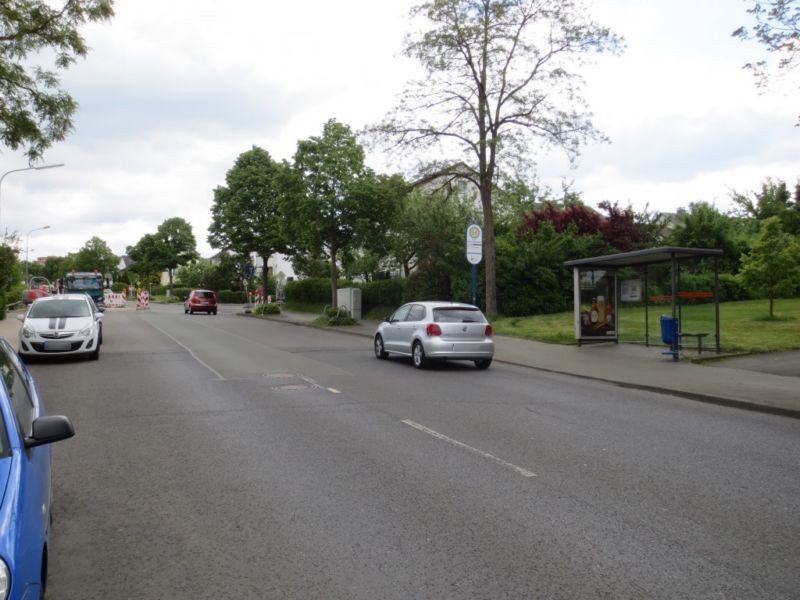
597 293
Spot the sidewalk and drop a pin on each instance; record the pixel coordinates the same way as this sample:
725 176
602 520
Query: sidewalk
631 365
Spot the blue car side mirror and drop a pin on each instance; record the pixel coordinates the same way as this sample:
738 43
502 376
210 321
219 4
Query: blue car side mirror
46 430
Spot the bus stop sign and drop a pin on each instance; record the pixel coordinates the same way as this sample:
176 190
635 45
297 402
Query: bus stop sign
474 244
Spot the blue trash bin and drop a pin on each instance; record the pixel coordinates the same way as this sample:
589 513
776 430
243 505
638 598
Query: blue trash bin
669 329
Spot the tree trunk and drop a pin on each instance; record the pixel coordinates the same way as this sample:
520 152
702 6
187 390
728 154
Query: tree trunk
490 262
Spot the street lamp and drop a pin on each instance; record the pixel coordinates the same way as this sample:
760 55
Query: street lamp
27 239
3 176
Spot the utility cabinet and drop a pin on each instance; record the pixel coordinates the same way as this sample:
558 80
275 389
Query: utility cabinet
350 298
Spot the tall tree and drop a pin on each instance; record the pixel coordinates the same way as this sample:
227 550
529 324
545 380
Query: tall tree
500 82
149 258
777 28
180 247
247 213
8 270
773 200
703 226
34 111
341 199
95 254
622 230
772 266
428 231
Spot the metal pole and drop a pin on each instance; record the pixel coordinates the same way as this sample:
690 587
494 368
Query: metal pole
646 313
675 347
474 285
27 239
716 298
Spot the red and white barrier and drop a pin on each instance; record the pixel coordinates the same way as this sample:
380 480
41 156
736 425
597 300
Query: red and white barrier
114 300
143 300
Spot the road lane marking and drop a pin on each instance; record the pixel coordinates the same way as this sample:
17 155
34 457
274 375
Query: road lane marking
449 440
189 350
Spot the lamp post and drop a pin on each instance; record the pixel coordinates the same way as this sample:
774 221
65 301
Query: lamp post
3 176
27 239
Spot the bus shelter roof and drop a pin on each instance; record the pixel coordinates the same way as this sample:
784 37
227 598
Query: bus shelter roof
642 257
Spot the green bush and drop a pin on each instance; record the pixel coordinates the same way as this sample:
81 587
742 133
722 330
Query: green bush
231 297
428 284
267 309
731 288
16 292
383 292
335 317
312 290
181 292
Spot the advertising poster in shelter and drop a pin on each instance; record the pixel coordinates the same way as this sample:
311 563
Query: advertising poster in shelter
597 304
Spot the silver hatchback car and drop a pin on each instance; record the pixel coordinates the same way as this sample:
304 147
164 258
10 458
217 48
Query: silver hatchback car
436 331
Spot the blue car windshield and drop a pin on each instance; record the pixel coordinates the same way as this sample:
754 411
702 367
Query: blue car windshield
59 308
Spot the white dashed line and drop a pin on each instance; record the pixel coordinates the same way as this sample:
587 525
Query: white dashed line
189 350
441 436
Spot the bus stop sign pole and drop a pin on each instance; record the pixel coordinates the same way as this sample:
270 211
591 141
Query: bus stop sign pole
473 250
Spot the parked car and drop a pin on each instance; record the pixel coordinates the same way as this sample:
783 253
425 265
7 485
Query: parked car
62 325
200 301
436 331
37 288
25 435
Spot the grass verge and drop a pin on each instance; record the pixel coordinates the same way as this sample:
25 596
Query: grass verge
744 326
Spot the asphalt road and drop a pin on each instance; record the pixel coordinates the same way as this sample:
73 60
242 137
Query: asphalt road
226 457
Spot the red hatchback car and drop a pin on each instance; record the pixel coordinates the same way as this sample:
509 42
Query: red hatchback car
200 301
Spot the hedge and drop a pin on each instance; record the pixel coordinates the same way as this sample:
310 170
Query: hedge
383 292
312 290
231 297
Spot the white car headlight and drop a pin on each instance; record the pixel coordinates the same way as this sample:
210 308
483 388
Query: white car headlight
85 332
5 580
27 331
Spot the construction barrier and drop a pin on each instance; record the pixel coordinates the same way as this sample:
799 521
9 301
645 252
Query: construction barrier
142 300
114 300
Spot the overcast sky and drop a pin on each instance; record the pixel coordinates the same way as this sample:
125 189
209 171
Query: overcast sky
172 92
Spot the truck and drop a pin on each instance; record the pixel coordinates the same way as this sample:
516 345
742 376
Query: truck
89 283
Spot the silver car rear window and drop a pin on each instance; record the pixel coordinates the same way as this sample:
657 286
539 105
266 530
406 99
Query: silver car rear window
457 314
